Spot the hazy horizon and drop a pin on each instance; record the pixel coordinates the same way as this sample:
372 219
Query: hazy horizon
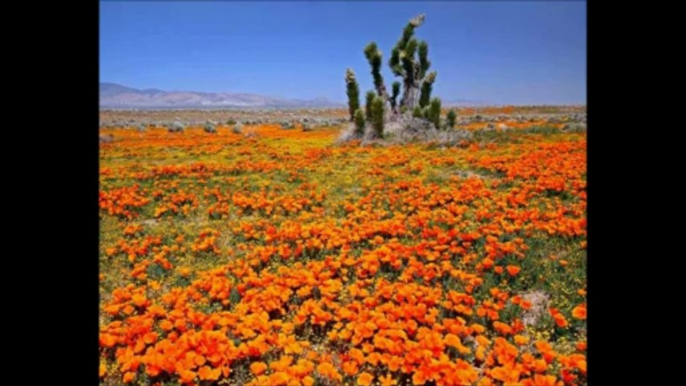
496 52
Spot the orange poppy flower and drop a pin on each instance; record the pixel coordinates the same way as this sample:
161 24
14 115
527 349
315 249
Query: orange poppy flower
328 370
513 270
452 340
279 378
199 360
418 378
579 312
521 340
128 377
187 376
365 379
107 340
128 309
395 363
166 325
387 380
258 368
350 368
208 374
308 381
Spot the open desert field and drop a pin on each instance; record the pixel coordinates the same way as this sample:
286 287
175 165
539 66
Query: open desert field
277 256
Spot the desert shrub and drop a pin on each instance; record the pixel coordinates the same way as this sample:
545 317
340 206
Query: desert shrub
377 116
359 122
574 127
417 112
450 119
426 113
541 130
434 114
368 103
237 128
210 128
176 127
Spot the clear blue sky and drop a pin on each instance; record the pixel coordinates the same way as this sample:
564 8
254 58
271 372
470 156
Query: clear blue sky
498 52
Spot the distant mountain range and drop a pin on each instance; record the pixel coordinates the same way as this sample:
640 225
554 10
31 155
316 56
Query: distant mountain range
117 96
114 95
465 103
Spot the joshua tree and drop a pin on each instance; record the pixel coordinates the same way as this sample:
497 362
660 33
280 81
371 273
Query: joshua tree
451 119
353 92
409 60
412 69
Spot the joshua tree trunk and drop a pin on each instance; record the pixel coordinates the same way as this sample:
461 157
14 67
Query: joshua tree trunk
410 96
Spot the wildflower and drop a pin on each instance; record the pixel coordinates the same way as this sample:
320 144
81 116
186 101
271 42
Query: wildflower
365 379
258 368
513 270
579 312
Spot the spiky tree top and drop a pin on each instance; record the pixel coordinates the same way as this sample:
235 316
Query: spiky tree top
374 55
417 21
410 60
427 86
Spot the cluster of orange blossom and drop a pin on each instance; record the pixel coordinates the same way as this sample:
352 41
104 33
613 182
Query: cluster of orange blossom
278 259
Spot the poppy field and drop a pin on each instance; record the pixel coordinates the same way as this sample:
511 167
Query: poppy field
281 258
